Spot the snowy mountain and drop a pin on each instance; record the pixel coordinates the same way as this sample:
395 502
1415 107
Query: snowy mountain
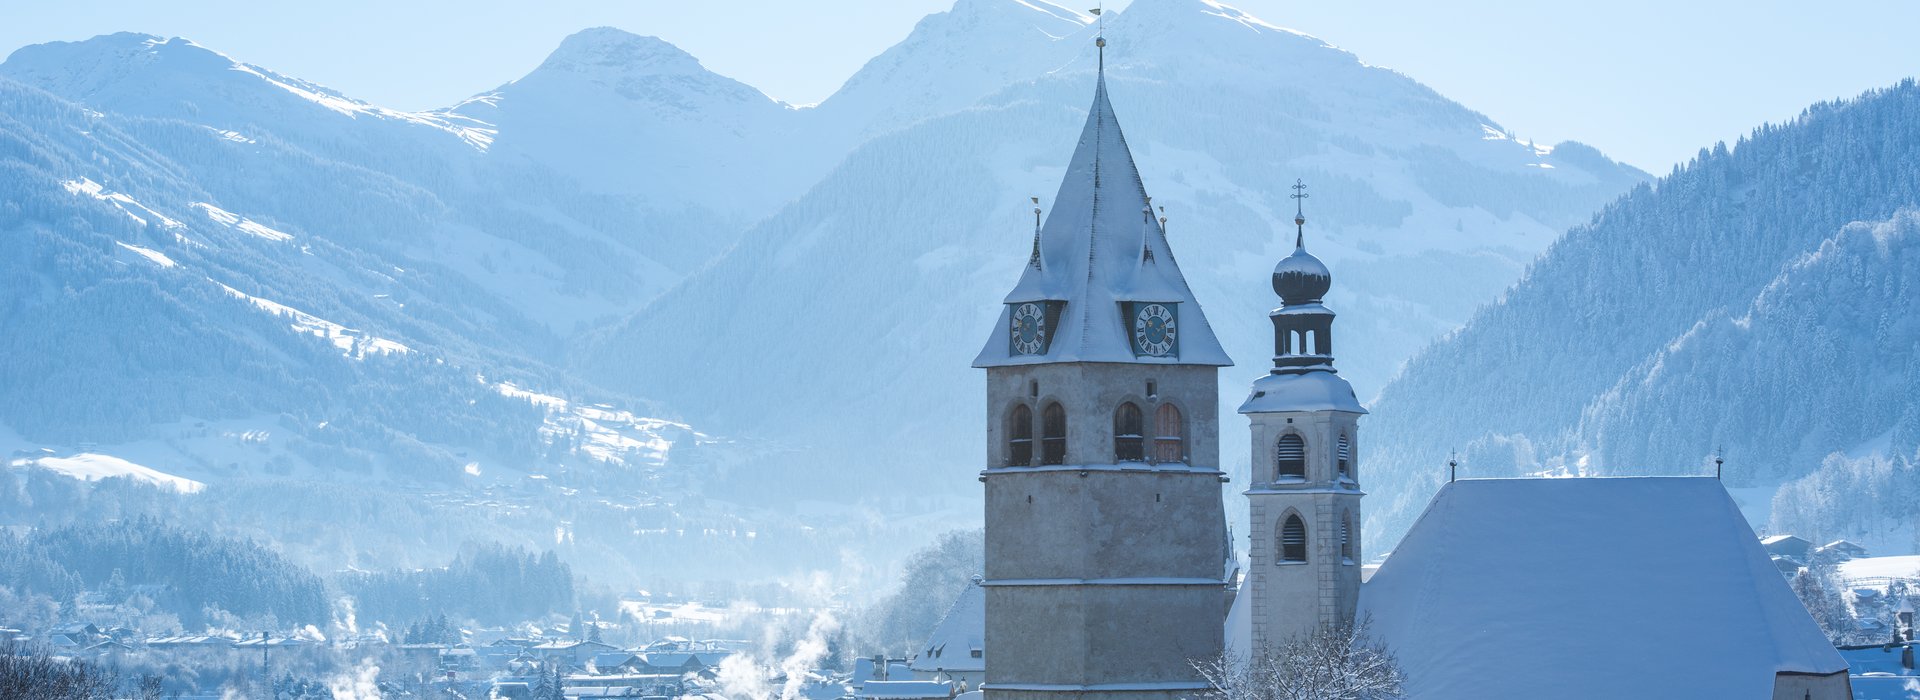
1422 207
1733 304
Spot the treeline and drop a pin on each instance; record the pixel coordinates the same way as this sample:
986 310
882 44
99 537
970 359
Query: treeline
187 573
490 584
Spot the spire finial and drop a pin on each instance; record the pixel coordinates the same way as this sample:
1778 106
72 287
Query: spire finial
1034 260
1719 459
1453 466
1299 214
1100 35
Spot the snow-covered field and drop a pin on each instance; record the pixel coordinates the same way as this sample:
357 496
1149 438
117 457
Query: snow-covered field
90 466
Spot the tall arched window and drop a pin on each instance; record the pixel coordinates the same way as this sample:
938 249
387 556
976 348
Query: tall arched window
1346 538
1020 437
1293 539
1129 441
1169 435
1290 458
1345 456
1053 434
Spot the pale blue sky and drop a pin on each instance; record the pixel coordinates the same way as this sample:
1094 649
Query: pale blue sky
1647 81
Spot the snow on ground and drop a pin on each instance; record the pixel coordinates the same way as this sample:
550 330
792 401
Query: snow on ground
609 434
1904 566
157 257
88 466
243 224
127 205
353 343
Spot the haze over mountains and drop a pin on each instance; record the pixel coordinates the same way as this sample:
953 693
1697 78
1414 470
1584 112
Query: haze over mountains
244 279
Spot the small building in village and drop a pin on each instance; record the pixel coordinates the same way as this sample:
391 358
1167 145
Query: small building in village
956 651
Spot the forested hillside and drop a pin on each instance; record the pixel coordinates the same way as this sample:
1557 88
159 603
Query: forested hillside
1728 305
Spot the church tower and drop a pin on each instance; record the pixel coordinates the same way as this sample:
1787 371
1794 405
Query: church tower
1106 544
1304 502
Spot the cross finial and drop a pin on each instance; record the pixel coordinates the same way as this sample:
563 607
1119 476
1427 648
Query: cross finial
1100 34
1299 213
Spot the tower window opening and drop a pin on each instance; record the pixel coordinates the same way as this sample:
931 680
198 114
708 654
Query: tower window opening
1344 457
1020 437
1129 441
1306 343
1290 457
1346 538
1169 434
1293 540
1033 389
1053 435
1153 391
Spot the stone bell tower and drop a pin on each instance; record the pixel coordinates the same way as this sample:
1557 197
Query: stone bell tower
1304 502
1105 531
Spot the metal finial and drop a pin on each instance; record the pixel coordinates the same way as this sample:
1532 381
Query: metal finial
1299 214
1453 466
1100 34
1719 459
1034 259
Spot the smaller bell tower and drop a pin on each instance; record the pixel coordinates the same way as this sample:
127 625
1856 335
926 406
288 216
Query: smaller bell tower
1304 499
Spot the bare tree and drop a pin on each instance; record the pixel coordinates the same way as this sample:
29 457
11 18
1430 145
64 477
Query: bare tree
1339 663
31 674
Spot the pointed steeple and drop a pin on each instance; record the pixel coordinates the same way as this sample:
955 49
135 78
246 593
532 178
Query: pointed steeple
1095 258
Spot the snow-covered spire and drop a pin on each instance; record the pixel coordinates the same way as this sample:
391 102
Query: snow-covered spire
1093 256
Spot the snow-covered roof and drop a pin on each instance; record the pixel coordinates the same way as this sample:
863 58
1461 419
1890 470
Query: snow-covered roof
950 647
1304 391
905 690
1102 244
1589 588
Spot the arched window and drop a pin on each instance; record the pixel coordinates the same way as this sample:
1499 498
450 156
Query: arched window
1129 442
1293 539
1169 435
1053 434
1346 538
1290 458
1345 456
1020 437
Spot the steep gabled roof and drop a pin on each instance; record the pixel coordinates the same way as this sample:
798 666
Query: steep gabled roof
1101 245
964 629
1589 588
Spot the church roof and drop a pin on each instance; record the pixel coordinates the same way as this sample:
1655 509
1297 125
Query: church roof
1306 391
1101 245
1644 587
964 629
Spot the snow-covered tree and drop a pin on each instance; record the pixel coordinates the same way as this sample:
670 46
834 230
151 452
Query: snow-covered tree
1339 663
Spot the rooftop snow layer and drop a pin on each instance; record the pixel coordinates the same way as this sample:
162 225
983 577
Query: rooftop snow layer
963 630
1306 391
1102 245
1642 587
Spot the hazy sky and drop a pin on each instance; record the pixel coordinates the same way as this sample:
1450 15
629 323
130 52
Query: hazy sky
1648 82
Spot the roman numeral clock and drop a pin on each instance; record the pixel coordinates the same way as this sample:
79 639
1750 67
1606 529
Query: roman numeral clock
1030 326
1155 329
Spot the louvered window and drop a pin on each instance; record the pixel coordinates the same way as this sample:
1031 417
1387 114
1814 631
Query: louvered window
1290 458
1169 435
1345 456
1053 435
1293 540
1020 437
1346 538
1129 444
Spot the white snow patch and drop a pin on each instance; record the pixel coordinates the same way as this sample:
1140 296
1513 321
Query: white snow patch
241 223
353 343
231 135
157 257
1901 567
610 434
126 204
88 466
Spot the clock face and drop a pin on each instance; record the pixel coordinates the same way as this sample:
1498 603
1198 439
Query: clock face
1155 330
1028 329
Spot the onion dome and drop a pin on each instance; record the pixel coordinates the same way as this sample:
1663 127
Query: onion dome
1301 278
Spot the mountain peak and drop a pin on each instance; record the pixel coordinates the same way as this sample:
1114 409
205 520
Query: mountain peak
610 50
